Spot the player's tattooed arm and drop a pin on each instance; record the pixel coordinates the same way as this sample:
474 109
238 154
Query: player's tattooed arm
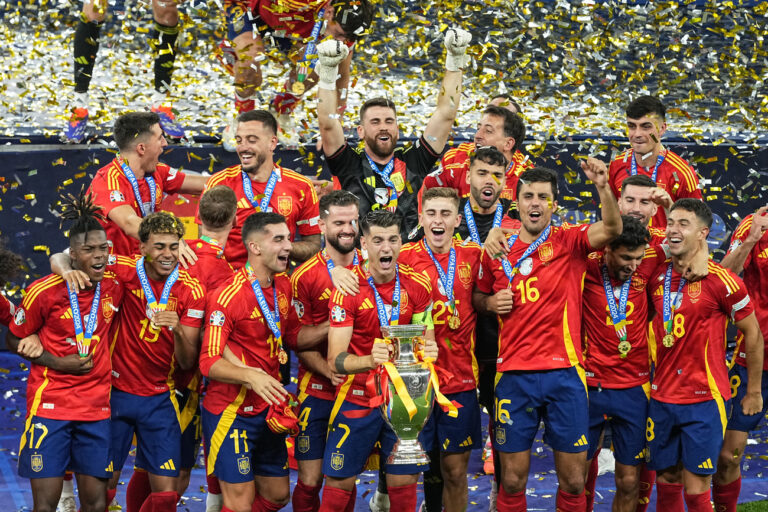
754 351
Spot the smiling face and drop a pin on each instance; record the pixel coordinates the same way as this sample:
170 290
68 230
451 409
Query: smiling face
440 217
341 227
161 255
635 201
272 246
535 202
89 252
490 132
623 261
255 144
645 133
486 182
684 232
379 130
383 246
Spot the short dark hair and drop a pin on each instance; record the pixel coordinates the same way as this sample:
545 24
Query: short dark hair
337 198
513 124
217 207
10 263
538 175
697 206
489 155
257 222
442 193
377 102
262 116
353 16
633 234
644 105
130 126
638 180
509 99
381 218
162 223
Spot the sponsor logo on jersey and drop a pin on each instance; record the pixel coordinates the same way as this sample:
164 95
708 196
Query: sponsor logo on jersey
217 318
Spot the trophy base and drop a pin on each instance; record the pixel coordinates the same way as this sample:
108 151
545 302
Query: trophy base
407 451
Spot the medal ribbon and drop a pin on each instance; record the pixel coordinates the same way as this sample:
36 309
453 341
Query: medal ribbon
669 308
618 312
509 269
384 175
309 58
380 309
135 186
633 170
149 295
212 241
472 226
273 319
449 279
331 265
268 190
84 338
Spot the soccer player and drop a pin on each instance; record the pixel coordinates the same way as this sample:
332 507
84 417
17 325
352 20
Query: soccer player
10 263
536 292
453 268
132 185
390 294
646 125
690 393
498 128
86 45
748 253
507 101
288 24
312 289
68 410
379 174
640 198
262 185
250 315
615 332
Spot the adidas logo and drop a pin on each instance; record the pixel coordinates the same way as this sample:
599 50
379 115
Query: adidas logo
168 465
326 295
467 442
707 464
582 441
763 255
367 304
67 315
110 468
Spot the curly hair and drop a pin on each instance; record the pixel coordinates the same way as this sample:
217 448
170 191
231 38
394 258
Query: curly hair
162 223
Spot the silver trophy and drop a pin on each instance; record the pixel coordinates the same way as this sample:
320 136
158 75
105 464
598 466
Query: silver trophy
415 376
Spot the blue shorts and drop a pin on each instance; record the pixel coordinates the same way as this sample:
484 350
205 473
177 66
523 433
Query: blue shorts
240 20
191 426
524 399
51 447
241 447
738 420
352 435
626 411
313 422
692 433
155 422
459 434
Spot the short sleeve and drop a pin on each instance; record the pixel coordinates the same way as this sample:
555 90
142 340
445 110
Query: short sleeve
220 323
485 274
344 164
740 234
342 310
109 198
734 300
7 310
302 300
310 213
194 313
30 316
576 236
171 178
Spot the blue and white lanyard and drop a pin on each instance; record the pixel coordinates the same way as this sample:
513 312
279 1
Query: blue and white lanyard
269 189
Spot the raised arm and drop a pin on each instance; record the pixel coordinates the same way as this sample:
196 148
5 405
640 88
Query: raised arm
600 233
329 55
440 124
735 259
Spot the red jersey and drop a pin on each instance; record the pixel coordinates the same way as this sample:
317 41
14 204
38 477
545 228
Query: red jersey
454 167
658 236
235 320
756 281
603 362
456 346
674 175
542 332
293 197
312 289
211 268
142 356
111 189
359 311
6 310
694 369
45 310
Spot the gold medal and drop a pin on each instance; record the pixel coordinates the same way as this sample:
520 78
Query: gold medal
624 348
454 322
668 340
298 88
282 356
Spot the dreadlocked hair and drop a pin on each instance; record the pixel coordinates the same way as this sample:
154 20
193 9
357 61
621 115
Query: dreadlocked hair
81 210
162 223
10 263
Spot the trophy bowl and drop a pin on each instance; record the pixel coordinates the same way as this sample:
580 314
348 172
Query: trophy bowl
415 376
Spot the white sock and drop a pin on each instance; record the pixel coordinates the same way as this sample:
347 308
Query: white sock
213 502
68 489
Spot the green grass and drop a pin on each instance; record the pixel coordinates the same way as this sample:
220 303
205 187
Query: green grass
755 506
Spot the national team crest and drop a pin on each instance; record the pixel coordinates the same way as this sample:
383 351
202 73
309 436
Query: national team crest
171 304
37 462
107 309
282 303
337 461
501 435
284 205
397 181
338 314
545 251
694 289
20 317
302 444
403 301
244 465
638 283
465 274
217 318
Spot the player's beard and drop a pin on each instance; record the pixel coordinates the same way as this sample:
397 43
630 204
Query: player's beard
260 159
336 244
481 200
380 148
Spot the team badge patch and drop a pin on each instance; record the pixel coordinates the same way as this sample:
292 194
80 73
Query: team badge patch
545 251
638 283
217 318
337 460
694 289
397 181
299 307
107 309
501 435
403 301
282 303
37 462
284 205
302 444
338 314
244 465
116 196
19 318
465 274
